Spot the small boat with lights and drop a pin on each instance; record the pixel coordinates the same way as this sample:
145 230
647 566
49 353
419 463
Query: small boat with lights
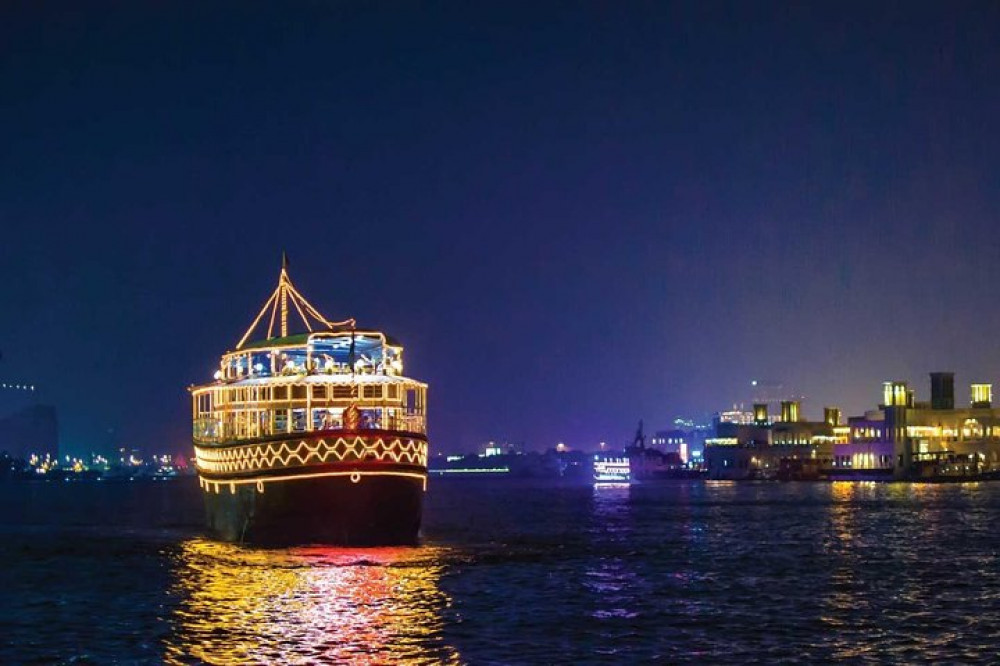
612 469
311 437
638 463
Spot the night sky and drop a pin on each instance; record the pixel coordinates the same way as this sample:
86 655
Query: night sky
573 215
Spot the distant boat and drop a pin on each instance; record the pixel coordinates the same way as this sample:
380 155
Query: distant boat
315 437
638 463
612 469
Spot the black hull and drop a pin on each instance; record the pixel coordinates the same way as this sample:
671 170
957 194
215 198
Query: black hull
373 511
344 487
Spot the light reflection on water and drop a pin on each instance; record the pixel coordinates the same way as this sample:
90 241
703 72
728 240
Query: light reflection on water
307 605
517 573
611 579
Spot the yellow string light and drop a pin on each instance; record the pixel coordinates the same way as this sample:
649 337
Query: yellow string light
255 457
279 301
211 486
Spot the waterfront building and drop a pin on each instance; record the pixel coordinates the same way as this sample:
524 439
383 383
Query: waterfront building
687 438
676 442
908 439
902 438
735 415
788 446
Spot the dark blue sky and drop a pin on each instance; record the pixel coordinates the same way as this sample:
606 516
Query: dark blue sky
573 215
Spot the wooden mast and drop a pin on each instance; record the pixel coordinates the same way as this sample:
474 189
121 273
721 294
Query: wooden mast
278 303
283 285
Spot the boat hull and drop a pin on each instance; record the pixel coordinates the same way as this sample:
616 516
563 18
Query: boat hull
373 511
353 488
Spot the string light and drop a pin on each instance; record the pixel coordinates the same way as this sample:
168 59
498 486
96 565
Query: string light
230 412
235 460
278 302
211 485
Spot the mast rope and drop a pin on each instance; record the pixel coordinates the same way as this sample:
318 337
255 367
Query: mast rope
279 299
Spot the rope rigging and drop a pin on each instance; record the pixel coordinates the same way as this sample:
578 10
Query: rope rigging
277 305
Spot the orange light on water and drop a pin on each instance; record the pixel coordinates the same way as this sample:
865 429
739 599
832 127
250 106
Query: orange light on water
308 605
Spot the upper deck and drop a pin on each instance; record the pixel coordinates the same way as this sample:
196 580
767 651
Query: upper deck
347 352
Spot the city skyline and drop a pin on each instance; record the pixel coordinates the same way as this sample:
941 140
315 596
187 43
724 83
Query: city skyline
572 219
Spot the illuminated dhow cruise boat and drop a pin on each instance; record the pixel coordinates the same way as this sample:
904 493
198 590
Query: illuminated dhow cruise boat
315 437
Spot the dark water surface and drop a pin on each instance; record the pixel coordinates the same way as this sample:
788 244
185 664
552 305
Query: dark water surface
514 572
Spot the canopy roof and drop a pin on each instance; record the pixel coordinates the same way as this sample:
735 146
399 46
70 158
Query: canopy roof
287 341
302 339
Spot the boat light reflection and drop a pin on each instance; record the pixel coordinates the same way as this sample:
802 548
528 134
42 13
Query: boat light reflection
308 605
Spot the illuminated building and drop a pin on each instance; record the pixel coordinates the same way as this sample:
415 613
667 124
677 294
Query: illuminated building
902 438
982 395
493 449
735 415
314 436
789 411
786 448
907 439
685 441
896 394
673 442
831 415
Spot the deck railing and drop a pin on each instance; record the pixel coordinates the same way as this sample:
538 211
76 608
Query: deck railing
208 429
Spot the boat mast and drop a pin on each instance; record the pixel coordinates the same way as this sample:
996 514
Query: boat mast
283 286
278 303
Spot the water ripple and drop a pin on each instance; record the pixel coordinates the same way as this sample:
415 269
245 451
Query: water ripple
525 573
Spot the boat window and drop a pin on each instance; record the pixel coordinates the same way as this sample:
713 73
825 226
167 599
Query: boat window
298 393
373 391
280 420
341 391
281 393
319 392
393 391
298 419
260 363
